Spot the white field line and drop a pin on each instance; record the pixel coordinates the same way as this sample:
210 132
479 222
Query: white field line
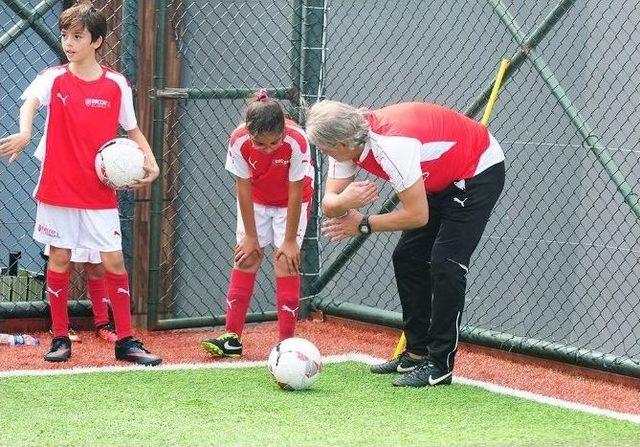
350 357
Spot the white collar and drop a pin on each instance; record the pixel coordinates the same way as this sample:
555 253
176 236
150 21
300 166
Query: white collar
365 151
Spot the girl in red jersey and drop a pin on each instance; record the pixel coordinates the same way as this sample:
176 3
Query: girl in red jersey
269 156
86 104
448 172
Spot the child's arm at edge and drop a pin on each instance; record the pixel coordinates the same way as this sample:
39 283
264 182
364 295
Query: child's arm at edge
12 145
150 165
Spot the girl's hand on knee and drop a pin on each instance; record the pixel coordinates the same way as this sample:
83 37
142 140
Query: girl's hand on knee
247 251
289 253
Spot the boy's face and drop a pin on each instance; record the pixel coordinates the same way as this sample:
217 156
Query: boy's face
77 44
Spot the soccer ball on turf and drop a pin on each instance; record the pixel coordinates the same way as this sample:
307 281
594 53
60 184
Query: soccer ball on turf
119 163
295 363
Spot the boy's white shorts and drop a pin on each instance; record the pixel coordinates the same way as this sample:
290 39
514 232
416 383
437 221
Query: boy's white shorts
271 223
81 255
74 228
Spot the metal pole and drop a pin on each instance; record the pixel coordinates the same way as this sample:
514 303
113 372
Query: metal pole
472 111
312 89
591 140
22 25
296 49
158 148
38 309
223 93
29 19
346 254
215 320
129 56
128 64
526 46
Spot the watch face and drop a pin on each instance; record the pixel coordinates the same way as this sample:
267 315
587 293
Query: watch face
364 229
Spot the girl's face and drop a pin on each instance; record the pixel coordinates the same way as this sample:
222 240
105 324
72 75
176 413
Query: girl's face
267 142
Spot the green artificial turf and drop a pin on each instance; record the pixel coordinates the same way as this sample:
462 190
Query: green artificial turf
348 406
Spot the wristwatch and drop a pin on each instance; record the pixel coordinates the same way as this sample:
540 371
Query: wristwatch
364 226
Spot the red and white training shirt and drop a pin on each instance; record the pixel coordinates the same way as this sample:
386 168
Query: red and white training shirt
270 174
412 140
81 117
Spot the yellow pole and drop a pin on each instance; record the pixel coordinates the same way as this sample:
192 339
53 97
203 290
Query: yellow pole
400 347
494 92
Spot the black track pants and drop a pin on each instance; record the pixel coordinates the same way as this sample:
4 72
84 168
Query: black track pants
431 264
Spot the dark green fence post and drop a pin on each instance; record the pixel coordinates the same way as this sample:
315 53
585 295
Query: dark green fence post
311 90
128 65
158 148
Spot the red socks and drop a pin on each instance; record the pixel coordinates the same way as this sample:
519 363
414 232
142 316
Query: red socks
238 298
97 290
58 293
117 287
120 297
287 304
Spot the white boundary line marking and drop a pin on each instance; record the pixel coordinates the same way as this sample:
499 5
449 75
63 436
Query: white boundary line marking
350 357
635 418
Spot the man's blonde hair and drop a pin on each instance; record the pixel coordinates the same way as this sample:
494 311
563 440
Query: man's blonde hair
331 122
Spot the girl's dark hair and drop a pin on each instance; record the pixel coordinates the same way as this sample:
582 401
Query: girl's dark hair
84 15
264 115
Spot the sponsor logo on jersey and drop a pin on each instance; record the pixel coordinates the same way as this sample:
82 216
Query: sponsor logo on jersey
97 103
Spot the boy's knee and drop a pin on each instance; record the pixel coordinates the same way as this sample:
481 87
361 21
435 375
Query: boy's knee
113 262
94 271
59 259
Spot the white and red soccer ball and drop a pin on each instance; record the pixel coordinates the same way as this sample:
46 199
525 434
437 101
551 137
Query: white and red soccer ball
295 364
120 163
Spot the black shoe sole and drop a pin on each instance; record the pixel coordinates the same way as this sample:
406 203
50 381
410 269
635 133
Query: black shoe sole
447 381
140 360
393 371
382 372
57 359
216 351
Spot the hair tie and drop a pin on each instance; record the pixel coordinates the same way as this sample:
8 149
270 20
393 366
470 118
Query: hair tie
263 95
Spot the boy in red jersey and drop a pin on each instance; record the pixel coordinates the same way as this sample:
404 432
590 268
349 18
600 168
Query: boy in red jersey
86 105
448 172
269 157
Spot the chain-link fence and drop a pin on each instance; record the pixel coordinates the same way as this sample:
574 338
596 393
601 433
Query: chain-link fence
557 268
29 43
225 52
